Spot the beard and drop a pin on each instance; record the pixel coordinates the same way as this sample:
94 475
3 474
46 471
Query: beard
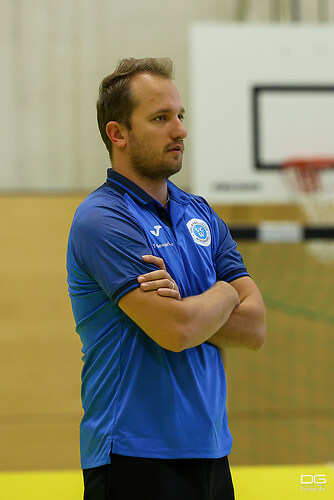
152 164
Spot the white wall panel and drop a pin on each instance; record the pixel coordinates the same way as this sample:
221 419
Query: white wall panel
31 93
53 56
59 89
309 10
8 150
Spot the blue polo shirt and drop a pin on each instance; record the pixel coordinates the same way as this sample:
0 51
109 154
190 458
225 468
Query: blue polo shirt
140 399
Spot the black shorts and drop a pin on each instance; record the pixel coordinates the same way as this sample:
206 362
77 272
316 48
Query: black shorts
132 478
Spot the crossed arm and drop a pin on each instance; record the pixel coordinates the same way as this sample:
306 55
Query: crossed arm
226 315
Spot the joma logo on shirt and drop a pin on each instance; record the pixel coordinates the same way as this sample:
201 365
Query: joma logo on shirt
157 230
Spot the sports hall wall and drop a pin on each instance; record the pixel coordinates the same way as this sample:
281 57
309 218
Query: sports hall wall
54 56
279 404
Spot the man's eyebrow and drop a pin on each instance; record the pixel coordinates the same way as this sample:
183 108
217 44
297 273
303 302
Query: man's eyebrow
166 110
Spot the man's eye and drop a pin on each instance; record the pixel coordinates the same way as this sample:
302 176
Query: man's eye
160 118
181 117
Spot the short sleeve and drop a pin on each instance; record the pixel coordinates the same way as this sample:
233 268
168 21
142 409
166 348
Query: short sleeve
108 245
228 260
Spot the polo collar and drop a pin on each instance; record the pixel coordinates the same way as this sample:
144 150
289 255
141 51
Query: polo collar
121 182
136 192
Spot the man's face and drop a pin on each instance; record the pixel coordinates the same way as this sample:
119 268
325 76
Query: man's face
155 141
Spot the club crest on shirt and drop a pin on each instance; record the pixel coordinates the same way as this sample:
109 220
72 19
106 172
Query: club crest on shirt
200 232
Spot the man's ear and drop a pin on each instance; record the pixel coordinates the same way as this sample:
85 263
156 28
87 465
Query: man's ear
115 132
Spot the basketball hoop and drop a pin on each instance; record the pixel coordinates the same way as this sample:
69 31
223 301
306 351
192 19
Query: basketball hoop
311 184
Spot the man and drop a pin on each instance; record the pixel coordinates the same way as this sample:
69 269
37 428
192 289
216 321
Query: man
157 285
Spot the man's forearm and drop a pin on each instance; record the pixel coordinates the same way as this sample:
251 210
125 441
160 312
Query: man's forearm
181 324
208 312
217 316
246 326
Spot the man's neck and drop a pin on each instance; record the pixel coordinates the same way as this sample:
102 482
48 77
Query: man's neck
155 188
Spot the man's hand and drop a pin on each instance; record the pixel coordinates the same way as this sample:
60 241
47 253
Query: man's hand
160 280
246 325
177 324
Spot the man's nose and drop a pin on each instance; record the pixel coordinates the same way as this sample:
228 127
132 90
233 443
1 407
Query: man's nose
178 129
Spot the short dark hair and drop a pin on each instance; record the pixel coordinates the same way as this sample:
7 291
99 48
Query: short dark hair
115 102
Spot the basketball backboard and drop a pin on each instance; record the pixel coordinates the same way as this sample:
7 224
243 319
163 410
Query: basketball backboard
260 94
